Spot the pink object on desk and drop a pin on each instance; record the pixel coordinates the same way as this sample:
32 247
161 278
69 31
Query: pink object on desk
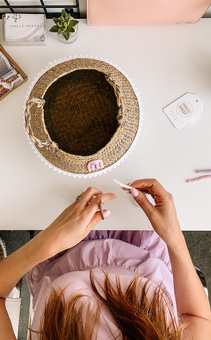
142 12
95 165
198 178
206 172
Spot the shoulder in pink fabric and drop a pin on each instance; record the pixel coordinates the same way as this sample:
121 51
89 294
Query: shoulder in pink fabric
141 253
79 282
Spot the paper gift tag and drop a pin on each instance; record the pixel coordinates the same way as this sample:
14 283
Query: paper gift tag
184 109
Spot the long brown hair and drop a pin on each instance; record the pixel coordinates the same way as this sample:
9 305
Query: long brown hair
136 315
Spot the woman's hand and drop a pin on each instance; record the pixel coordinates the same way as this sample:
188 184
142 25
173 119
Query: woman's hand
162 216
193 306
66 231
74 223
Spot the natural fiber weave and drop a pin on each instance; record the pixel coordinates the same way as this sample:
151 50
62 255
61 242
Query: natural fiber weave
82 110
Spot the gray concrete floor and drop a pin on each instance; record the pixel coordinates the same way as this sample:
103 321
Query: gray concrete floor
199 244
13 241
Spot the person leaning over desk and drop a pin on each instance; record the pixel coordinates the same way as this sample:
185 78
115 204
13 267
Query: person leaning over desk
110 284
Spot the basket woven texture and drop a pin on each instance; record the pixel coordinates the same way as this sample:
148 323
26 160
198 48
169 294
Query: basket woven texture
82 110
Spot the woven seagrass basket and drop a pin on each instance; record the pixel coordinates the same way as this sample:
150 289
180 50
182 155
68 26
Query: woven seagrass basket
82 115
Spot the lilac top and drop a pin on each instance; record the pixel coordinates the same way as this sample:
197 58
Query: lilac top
122 253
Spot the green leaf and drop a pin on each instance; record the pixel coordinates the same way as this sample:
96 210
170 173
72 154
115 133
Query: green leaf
70 29
74 22
54 29
55 20
63 13
66 35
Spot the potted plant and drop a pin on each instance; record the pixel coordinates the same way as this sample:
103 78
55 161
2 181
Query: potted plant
66 27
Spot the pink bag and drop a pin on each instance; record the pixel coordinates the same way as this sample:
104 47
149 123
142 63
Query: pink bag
145 12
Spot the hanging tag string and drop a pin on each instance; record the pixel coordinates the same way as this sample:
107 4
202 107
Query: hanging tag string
49 144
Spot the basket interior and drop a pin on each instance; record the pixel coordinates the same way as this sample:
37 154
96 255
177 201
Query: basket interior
80 112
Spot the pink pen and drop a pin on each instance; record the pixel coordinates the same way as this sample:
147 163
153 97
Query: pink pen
207 175
204 171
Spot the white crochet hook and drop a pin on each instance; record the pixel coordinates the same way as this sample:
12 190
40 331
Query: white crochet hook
122 185
148 196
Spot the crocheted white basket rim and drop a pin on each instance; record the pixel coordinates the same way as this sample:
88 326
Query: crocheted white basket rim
3 246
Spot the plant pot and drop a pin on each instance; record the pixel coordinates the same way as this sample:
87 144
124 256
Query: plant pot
72 38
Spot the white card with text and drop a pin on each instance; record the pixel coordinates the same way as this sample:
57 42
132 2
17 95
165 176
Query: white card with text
184 109
24 29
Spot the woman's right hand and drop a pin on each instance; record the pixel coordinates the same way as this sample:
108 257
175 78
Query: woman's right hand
162 215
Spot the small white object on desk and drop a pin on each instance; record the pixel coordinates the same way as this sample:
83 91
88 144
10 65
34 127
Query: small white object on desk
148 196
24 29
122 185
184 109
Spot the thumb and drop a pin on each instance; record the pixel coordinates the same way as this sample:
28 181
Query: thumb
142 201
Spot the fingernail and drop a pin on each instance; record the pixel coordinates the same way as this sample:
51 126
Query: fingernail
134 192
106 213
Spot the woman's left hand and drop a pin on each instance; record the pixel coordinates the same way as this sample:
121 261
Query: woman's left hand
74 223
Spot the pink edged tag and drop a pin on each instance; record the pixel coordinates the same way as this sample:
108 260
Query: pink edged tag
184 109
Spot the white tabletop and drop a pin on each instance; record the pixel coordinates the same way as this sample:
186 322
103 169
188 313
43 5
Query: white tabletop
164 62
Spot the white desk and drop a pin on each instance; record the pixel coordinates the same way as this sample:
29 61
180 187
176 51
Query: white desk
164 62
